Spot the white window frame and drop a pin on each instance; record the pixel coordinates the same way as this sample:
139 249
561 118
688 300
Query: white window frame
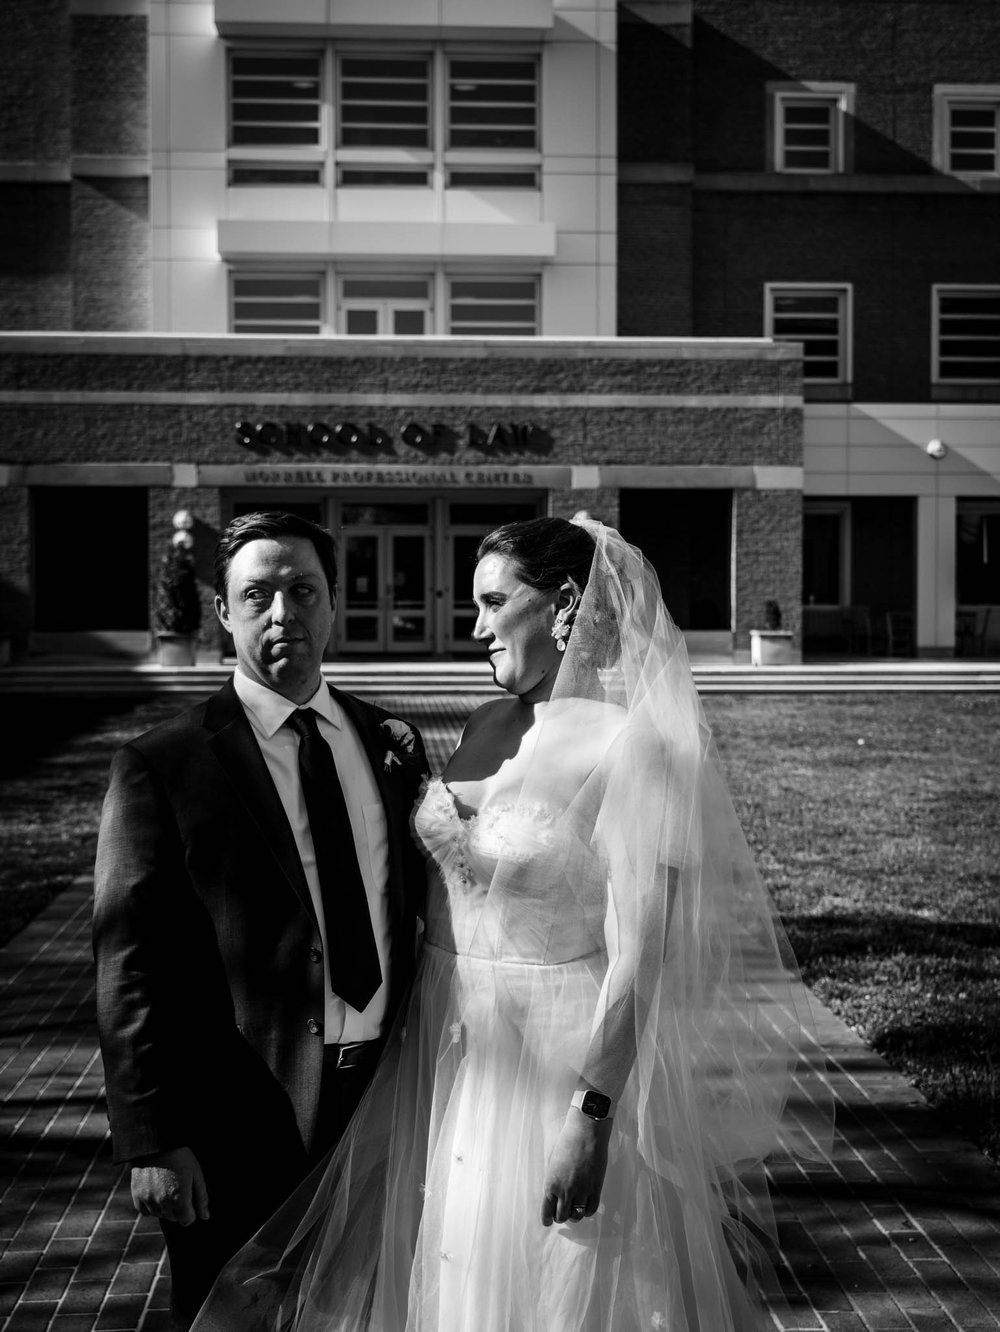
499 277
494 57
974 508
846 358
386 304
438 158
839 97
333 303
948 96
279 272
956 288
276 152
835 509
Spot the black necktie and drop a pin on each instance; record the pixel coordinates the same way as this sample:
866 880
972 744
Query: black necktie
355 973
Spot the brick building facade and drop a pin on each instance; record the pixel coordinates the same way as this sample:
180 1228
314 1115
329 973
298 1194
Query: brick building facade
387 444
692 170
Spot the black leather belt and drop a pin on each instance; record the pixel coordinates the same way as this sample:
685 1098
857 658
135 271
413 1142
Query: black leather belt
350 1055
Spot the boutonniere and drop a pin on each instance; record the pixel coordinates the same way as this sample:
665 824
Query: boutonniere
402 743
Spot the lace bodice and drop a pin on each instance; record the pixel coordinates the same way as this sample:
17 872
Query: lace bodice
512 882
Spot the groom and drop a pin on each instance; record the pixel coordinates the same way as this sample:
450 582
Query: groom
256 895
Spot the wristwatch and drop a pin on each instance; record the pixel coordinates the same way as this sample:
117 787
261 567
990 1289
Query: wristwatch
593 1104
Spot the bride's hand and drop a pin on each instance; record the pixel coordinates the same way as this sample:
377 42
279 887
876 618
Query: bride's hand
575 1174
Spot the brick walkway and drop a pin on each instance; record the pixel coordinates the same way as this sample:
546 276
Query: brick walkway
902 1231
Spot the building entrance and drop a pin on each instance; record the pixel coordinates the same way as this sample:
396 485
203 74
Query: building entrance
406 562
385 578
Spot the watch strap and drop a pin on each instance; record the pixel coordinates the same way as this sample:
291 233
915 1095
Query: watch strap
593 1104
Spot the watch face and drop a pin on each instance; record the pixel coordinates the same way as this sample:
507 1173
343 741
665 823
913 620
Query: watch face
595 1105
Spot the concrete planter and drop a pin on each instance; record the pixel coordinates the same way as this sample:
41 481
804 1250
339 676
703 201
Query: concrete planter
772 647
176 649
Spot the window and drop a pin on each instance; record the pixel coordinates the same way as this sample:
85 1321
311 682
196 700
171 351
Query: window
371 306
967 129
277 303
490 306
275 173
809 127
382 176
966 335
826 575
384 102
274 99
977 553
492 103
382 305
406 118
820 318
492 179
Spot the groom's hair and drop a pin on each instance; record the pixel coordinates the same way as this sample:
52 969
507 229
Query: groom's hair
267 525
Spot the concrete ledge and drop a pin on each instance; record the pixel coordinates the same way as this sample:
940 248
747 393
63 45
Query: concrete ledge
424 348
421 678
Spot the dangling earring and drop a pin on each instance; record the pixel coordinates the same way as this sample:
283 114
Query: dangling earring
560 632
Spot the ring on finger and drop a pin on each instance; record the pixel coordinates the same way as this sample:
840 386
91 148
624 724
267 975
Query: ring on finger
578 1211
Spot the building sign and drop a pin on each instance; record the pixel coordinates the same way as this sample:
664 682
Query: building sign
434 438
326 476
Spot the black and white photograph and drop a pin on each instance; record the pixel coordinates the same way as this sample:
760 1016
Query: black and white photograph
500 665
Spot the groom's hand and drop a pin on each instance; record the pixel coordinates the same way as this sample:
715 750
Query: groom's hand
170 1185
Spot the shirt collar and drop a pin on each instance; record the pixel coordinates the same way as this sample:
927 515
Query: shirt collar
270 710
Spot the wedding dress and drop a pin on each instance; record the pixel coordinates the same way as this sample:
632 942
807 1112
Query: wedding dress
601 917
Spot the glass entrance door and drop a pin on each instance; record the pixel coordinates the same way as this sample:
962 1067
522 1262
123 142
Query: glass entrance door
385 585
466 523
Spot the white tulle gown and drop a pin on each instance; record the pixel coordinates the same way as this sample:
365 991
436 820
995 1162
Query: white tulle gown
499 1084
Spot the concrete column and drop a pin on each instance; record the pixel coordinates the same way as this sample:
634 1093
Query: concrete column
935 621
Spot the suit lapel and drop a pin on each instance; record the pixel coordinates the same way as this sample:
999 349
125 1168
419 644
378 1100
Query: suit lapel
232 741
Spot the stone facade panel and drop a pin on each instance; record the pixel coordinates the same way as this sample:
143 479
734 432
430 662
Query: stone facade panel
15 565
110 86
768 560
35 76
601 503
111 254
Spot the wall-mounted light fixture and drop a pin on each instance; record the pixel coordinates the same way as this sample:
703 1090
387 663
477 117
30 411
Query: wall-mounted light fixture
183 522
936 449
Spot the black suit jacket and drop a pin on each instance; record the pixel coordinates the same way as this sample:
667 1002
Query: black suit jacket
209 972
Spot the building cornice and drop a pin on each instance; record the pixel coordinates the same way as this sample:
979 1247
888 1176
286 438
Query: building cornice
422 348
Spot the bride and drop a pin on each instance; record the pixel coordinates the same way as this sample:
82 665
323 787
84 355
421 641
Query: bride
567 1130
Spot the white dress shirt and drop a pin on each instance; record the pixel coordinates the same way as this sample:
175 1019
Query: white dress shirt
267 712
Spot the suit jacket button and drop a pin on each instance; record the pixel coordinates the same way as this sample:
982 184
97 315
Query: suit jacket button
315 955
314 1026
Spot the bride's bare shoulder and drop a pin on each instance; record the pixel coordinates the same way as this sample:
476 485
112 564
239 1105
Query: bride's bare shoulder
487 714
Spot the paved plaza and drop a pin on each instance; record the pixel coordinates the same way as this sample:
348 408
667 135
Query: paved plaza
900 1231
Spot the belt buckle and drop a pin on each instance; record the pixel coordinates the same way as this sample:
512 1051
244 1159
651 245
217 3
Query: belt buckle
347 1050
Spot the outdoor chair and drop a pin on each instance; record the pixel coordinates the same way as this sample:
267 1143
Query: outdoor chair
857 627
972 631
899 633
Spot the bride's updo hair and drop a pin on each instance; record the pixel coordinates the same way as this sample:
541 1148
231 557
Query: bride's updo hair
545 551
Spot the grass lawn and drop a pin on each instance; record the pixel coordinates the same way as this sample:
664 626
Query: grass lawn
875 821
